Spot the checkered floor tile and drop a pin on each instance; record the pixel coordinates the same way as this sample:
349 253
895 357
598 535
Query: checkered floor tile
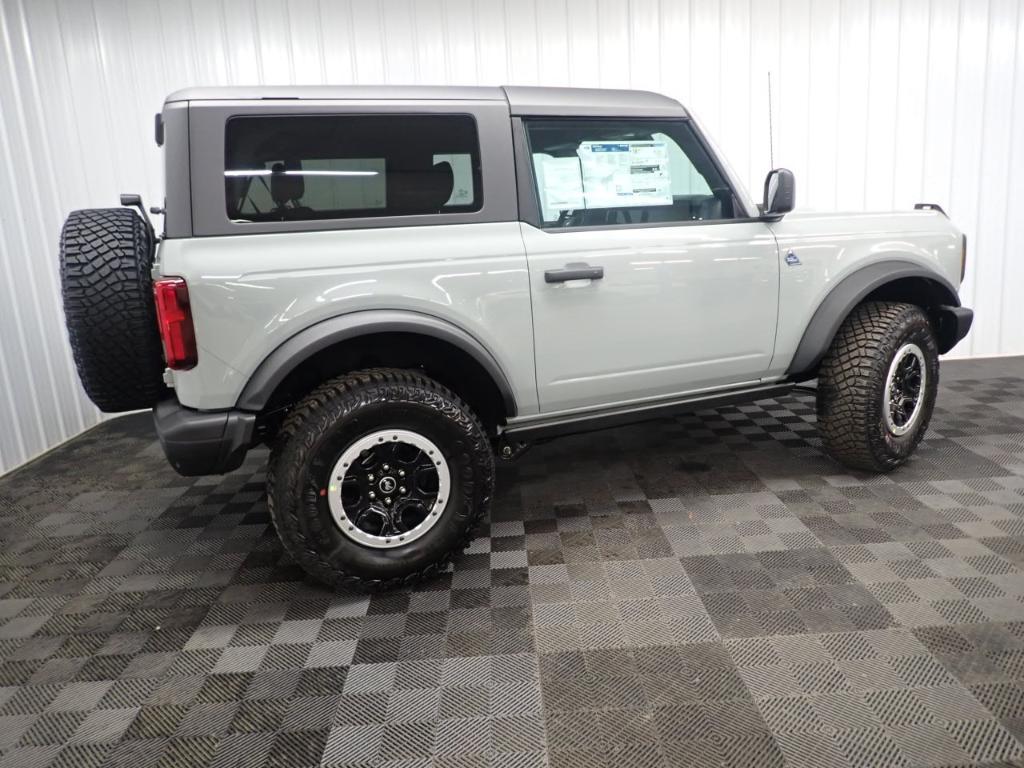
709 590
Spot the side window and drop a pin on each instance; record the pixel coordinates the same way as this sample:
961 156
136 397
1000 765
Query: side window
597 172
302 167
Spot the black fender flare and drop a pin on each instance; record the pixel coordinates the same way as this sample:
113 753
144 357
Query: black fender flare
306 343
847 294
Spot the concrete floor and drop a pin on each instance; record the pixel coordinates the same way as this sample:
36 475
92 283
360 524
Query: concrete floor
709 590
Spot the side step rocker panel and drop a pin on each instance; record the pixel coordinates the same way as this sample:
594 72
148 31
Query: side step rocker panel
589 422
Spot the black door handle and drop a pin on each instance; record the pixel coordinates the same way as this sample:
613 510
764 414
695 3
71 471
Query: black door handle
573 272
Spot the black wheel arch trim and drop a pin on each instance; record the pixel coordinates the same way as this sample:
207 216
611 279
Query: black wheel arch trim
850 291
306 343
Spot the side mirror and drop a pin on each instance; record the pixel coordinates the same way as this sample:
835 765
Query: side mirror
779 194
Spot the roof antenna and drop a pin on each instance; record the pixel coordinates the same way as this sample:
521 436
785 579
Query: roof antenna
771 147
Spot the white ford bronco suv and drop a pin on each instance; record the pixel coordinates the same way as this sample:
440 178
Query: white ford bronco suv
387 285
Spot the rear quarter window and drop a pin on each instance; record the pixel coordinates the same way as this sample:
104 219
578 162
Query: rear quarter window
311 167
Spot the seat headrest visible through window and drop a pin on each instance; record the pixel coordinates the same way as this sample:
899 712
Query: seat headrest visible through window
423 189
286 187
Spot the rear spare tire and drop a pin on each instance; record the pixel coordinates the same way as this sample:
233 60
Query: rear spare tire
106 256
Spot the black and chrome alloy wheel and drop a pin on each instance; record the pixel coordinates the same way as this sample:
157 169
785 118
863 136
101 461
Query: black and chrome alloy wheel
908 375
389 488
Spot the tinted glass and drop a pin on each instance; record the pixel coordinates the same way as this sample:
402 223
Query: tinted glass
300 167
597 172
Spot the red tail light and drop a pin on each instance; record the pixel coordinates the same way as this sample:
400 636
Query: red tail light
174 317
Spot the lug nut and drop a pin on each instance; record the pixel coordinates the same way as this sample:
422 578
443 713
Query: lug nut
387 499
401 489
386 467
401 473
373 495
370 476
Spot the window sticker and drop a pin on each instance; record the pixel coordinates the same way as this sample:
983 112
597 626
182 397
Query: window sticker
625 173
561 185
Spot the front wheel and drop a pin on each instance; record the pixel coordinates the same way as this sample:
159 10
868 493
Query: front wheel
378 479
877 386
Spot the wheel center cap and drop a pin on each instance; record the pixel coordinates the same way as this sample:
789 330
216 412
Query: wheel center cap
387 484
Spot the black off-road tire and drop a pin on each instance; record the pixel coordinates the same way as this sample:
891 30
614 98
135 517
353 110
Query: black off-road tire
105 260
852 383
332 418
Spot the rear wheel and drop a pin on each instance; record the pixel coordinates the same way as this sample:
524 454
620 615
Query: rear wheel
877 386
378 479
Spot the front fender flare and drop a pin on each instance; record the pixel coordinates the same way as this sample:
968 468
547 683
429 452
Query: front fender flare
306 343
846 295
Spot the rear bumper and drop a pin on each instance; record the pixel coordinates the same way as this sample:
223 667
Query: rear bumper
203 442
954 323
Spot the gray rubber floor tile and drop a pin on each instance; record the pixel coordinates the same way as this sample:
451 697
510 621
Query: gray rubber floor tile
707 590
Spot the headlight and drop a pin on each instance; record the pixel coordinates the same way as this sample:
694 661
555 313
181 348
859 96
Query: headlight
963 257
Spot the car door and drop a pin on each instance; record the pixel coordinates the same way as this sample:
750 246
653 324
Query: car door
647 278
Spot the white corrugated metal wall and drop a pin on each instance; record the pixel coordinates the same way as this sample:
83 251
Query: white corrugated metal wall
876 105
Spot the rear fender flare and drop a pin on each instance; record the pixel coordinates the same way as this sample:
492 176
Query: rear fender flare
303 345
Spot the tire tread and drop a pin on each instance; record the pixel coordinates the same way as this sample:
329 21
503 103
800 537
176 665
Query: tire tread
105 260
847 381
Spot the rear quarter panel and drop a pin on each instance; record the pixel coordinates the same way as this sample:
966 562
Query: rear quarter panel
830 247
251 293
